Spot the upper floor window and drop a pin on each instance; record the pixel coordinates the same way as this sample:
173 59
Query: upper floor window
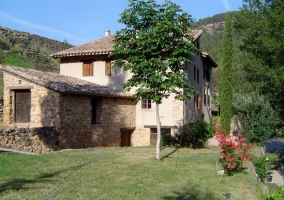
88 68
194 73
107 67
197 75
146 104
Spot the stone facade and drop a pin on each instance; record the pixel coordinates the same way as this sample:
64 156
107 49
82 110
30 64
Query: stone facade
70 115
37 140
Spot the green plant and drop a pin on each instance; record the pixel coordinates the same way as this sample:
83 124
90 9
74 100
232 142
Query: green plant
234 151
194 135
155 46
256 115
274 195
263 164
226 90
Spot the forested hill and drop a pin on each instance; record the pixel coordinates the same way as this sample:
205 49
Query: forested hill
211 40
29 50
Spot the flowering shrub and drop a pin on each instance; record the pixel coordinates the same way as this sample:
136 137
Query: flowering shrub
234 151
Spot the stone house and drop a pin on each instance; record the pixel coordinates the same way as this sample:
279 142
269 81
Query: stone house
91 62
46 111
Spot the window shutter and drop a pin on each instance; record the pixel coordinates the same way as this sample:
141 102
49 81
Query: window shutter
108 68
91 69
88 69
199 103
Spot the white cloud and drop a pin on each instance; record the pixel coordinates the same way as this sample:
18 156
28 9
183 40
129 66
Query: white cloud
45 29
226 4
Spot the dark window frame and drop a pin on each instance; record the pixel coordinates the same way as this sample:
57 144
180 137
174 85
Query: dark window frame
146 104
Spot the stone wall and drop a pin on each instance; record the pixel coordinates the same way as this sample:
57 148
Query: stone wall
141 136
70 115
37 140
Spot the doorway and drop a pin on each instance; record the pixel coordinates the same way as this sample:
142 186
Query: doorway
22 106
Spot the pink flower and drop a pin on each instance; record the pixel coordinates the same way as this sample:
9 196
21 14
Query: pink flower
239 135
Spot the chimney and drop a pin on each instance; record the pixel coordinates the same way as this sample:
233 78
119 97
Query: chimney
107 33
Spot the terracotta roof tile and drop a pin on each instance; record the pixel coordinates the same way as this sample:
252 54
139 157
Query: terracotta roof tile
64 84
100 46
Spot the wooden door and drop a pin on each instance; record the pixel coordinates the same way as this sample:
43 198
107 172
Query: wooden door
125 138
22 106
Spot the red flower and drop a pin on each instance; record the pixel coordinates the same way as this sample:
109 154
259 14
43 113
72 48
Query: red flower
241 156
229 143
239 135
228 157
249 145
229 166
249 158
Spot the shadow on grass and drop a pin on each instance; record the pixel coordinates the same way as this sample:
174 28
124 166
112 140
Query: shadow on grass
194 192
165 156
23 183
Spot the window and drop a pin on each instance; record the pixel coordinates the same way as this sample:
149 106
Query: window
208 96
197 75
94 111
204 97
88 68
108 68
146 104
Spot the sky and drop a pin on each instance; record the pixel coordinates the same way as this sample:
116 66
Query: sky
82 21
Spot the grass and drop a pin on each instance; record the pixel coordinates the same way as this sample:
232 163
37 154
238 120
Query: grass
121 173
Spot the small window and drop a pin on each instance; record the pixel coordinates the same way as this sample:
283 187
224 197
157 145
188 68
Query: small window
146 104
197 75
204 96
108 68
94 111
208 96
87 68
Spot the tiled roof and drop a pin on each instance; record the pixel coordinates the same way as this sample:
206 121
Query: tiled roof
64 84
210 59
100 46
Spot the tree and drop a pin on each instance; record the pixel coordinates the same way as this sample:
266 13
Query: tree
154 46
226 91
261 24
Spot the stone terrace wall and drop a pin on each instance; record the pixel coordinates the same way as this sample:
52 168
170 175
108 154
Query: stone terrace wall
37 140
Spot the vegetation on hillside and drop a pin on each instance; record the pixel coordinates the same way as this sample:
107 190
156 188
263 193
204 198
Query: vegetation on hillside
22 49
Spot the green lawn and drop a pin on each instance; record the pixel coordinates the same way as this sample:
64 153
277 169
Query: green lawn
121 173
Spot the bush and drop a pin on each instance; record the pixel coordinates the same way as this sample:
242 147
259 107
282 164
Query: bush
193 135
256 115
264 164
274 195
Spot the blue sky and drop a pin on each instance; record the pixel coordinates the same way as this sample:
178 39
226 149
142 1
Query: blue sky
81 21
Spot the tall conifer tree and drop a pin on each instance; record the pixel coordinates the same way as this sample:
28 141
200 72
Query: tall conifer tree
226 92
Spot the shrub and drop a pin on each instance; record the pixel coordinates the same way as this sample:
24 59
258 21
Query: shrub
264 164
234 151
194 134
256 115
274 195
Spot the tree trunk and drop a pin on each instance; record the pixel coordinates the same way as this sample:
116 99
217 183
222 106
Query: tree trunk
158 133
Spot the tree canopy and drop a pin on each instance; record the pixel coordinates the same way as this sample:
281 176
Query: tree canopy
261 25
155 46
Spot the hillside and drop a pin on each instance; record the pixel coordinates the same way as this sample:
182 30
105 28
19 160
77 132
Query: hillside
211 42
27 50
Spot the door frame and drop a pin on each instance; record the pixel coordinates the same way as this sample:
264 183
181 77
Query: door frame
14 105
